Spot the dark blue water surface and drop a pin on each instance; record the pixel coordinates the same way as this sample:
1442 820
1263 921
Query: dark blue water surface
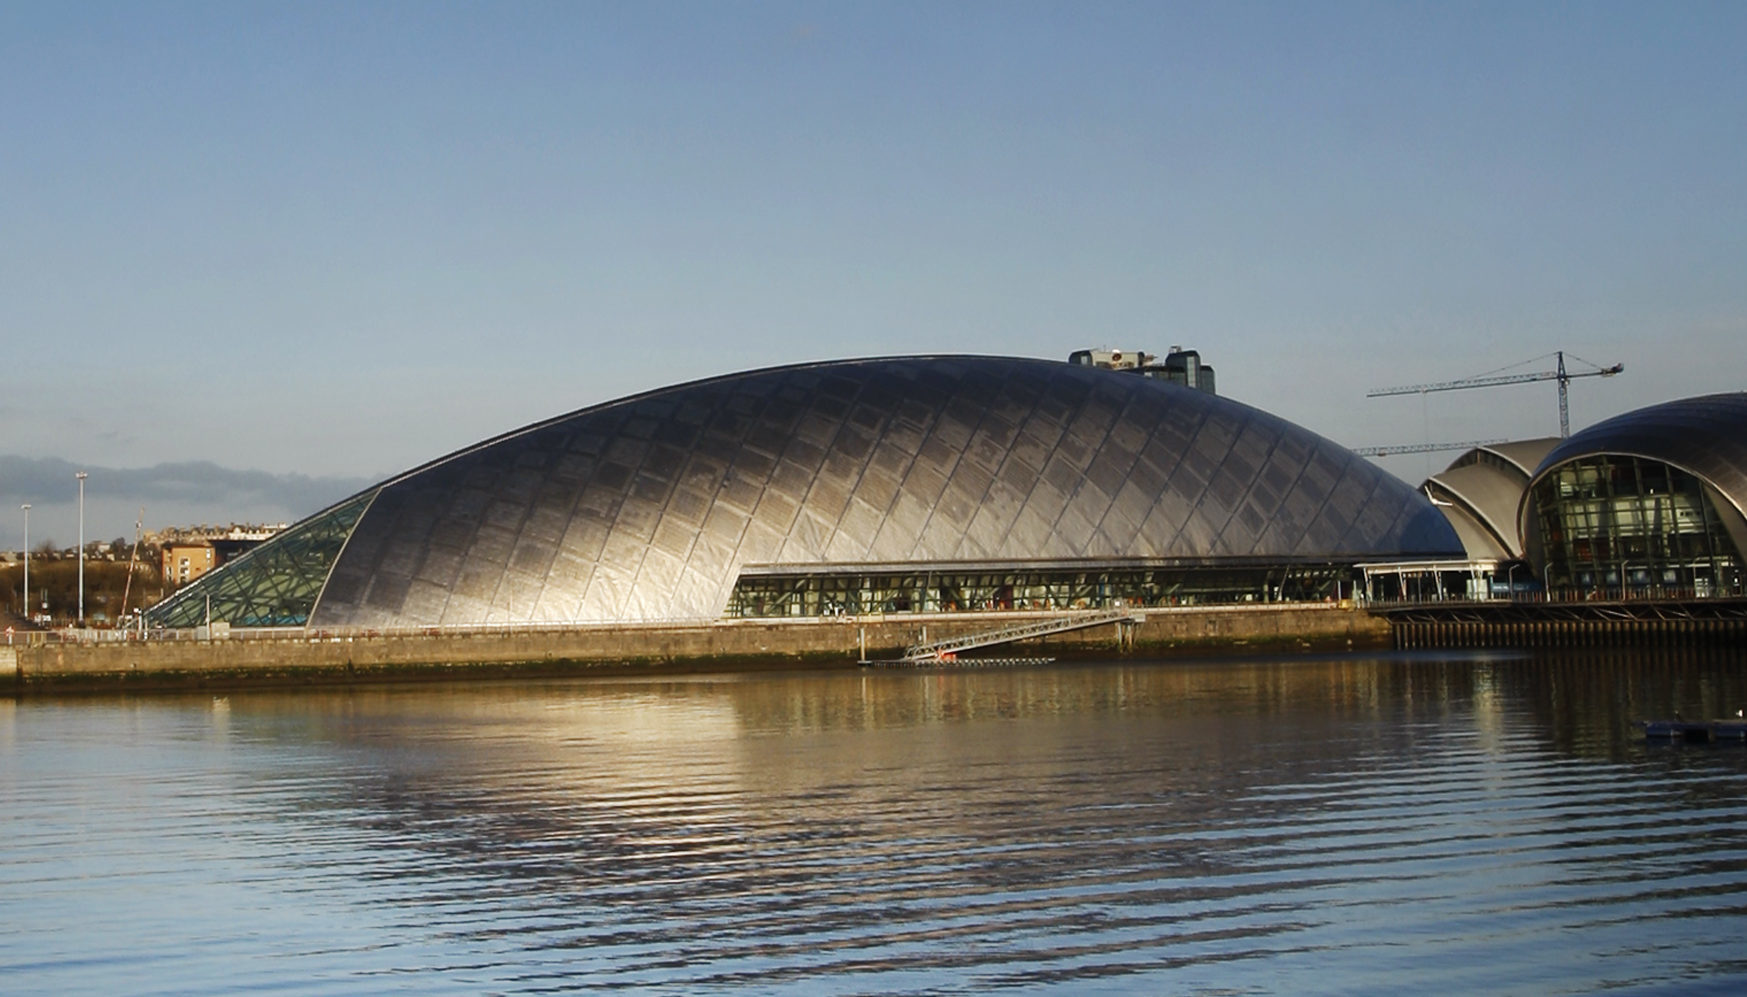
1432 823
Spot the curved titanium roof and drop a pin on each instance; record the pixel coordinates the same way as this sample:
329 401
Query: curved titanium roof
1525 455
1466 496
1485 486
1705 436
648 508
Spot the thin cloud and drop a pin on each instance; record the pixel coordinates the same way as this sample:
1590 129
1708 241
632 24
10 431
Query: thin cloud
49 481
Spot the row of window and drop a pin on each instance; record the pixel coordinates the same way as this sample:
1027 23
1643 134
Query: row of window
780 595
1610 522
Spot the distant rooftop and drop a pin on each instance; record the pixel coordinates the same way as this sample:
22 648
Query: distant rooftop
1179 366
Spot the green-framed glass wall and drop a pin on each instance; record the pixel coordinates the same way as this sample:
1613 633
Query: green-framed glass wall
1631 526
273 585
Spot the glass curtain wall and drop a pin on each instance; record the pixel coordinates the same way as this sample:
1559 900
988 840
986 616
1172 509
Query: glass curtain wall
789 595
1622 526
273 585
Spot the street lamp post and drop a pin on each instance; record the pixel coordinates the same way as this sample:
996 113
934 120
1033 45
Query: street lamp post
81 477
27 613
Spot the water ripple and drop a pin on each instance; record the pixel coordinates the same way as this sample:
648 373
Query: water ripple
1363 826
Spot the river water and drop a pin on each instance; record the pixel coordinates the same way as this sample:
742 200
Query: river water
1359 825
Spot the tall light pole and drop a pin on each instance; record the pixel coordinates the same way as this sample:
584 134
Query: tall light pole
28 616
81 477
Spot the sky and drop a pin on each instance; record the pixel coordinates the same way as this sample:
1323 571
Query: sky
256 256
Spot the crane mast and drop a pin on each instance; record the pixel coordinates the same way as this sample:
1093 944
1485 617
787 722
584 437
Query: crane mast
1558 374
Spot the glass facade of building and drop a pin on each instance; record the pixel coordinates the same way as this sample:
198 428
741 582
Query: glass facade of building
273 585
1630 525
946 589
1650 502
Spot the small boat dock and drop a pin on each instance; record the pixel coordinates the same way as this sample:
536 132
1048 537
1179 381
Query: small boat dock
946 652
952 660
1696 731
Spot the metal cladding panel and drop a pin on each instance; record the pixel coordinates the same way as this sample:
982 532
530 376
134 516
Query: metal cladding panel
1705 435
1477 540
1526 455
649 507
1489 497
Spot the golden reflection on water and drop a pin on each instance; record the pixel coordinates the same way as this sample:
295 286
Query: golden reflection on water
1589 701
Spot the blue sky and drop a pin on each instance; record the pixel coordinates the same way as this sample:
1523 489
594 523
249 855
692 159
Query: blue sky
376 232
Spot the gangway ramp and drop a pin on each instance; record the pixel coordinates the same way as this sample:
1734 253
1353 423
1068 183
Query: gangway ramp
945 650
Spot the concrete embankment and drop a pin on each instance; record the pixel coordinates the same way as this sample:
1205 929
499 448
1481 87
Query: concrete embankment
311 658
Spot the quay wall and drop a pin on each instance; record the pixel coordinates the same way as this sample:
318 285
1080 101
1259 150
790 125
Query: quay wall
298 657
1569 633
1639 622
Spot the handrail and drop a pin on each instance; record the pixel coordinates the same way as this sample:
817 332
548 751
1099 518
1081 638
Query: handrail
1007 635
1570 596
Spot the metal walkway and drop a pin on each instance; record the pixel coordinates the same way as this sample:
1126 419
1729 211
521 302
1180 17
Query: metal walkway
945 649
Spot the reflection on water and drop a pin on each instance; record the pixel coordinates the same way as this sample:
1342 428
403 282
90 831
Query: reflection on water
1441 822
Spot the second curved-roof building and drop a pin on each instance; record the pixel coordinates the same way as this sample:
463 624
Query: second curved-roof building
1481 491
907 484
1650 502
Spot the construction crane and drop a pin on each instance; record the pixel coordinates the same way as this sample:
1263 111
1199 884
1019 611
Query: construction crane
1488 381
1421 448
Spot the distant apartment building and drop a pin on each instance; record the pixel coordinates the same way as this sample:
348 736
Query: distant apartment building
186 560
189 552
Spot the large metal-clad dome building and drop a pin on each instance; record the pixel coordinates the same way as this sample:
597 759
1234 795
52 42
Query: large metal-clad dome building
887 485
